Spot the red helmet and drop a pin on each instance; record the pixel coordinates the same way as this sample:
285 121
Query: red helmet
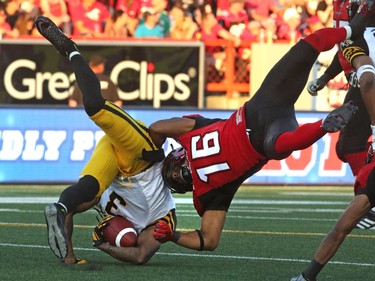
176 171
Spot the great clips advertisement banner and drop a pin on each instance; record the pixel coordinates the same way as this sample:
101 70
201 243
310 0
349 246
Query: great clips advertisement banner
156 74
52 145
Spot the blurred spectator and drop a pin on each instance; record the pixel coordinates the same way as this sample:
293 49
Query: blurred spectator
260 10
109 89
90 18
191 5
288 30
126 17
324 11
150 27
27 13
183 25
5 28
57 11
160 7
236 20
313 24
210 29
12 12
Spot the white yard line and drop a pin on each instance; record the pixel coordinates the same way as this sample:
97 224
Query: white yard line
211 256
46 200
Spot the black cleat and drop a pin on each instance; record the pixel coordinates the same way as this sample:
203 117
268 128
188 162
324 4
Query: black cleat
55 219
53 34
364 15
367 222
339 117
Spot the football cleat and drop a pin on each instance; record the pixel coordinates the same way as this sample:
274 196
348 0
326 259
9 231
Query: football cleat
339 117
55 219
300 278
367 222
77 261
53 34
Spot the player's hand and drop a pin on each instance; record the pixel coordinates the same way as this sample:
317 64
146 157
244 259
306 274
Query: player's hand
316 85
163 232
97 236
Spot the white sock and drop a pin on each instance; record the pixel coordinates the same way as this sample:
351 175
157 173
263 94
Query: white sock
61 204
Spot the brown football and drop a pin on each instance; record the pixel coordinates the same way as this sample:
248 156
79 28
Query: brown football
120 232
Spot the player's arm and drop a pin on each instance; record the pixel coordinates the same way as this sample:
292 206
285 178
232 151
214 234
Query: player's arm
171 128
146 247
331 72
206 238
71 258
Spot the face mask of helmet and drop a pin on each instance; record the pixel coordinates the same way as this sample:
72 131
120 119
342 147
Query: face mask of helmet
176 173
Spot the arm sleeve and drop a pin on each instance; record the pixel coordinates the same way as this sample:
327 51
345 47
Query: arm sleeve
333 69
76 95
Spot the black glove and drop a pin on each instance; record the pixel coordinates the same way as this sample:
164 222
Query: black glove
97 236
316 85
353 79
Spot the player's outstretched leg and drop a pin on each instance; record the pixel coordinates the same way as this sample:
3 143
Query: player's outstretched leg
53 34
85 77
55 219
339 117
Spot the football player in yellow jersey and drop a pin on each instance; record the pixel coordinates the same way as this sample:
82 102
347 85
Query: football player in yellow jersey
126 149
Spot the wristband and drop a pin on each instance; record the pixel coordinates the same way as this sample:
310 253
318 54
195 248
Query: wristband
176 236
201 240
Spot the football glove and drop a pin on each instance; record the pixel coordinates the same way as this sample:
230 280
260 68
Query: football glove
353 79
97 236
316 85
351 51
370 154
163 232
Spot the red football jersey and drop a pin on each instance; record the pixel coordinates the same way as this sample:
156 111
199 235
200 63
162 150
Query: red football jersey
341 18
219 154
340 12
361 179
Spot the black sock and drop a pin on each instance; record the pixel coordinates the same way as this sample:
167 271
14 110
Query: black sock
312 270
83 191
89 85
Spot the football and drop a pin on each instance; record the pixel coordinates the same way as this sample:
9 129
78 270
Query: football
120 232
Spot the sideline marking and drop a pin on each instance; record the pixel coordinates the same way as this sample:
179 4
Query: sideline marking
207 256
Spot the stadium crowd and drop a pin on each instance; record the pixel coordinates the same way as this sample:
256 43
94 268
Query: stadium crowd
174 19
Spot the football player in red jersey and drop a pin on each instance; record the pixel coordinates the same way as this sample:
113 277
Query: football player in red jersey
352 144
218 155
364 186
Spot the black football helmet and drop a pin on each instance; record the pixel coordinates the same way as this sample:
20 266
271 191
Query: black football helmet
176 172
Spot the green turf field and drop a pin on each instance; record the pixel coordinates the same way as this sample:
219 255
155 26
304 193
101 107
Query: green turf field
271 233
